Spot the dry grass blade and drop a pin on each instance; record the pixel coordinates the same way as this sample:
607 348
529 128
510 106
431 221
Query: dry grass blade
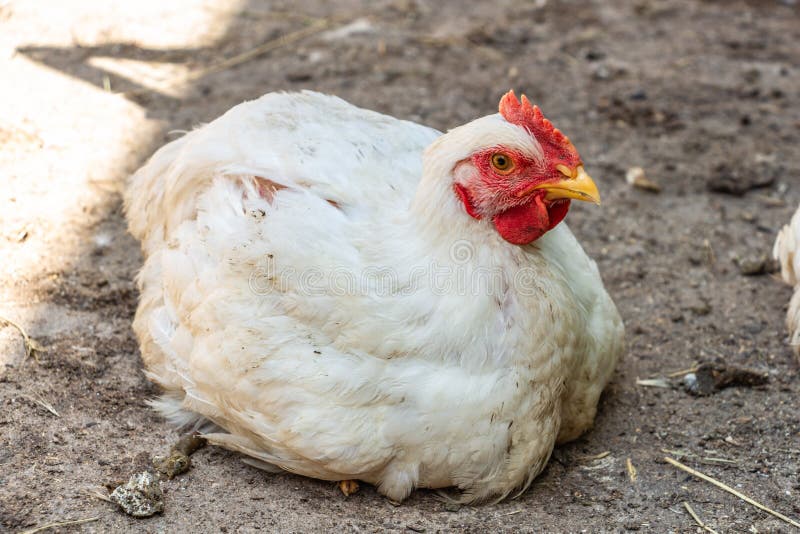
704 459
709 252
730 490
32 348
632 473
714 460
697 519
682 372
653 383
97 494
594 456
288 38
315 26
61 524
771 201
43 403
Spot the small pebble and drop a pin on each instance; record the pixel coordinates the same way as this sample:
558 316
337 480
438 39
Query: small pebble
593 55
103 240
601 72
637 178
638 94
695 303
452 506
700 383
756 265
732 180
690 382
748 216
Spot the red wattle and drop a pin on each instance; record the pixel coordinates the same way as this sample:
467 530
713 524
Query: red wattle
557 211
524 224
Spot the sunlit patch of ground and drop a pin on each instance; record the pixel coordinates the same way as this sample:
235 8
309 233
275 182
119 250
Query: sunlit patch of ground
69 143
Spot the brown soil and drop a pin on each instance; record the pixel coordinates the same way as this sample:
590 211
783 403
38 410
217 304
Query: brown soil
703 95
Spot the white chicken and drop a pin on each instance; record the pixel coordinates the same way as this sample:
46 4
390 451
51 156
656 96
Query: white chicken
349 296
787 252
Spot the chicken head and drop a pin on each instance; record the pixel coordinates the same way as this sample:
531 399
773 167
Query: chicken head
524 183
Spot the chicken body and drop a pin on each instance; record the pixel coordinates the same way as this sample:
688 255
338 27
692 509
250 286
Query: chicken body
787 252
313 286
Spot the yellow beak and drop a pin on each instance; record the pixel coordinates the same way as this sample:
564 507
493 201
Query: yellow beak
576 185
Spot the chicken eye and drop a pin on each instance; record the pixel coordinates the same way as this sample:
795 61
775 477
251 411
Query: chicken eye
502 163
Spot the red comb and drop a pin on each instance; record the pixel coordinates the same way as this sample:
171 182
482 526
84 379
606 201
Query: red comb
555 144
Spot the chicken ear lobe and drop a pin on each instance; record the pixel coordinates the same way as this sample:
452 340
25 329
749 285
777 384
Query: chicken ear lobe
463 194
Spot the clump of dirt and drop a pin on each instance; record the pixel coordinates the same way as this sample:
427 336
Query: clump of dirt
141 496
178 461
709 378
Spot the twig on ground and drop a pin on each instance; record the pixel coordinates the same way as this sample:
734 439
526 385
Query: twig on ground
730 490
32 348
697 519
61 524
730 441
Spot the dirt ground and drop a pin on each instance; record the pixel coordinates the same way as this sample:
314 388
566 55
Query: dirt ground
703 95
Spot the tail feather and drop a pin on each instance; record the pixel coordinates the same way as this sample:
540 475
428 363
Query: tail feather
171 407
